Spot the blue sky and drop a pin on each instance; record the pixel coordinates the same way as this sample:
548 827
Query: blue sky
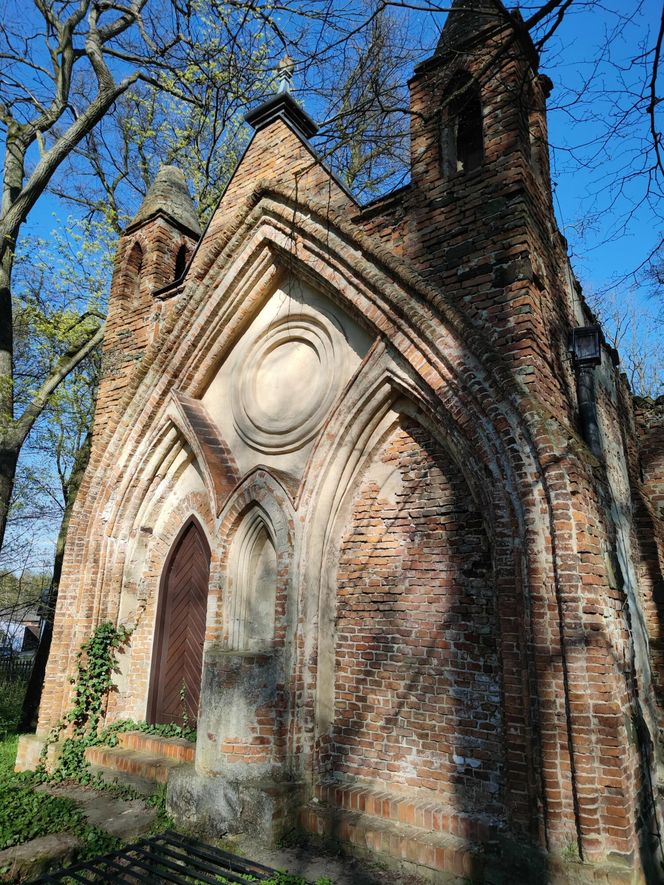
611 246
604 246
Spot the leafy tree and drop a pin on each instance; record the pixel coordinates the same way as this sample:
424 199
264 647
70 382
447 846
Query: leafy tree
94 92
65 66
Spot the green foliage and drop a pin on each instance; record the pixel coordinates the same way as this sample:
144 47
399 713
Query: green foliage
26 814
22 591
59 291
12 692
109 734
8 749
96 664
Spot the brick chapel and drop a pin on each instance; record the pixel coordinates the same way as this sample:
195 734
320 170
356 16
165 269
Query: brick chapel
380 510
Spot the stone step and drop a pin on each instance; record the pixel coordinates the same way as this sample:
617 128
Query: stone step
172 748
148 766
114 777
416 811
450 858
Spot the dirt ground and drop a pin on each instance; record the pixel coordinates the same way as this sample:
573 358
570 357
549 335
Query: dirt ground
312 862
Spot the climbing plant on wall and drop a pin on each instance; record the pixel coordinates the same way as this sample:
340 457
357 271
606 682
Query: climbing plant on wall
97 662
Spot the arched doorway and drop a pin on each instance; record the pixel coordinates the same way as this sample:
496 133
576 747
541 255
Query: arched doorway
177 657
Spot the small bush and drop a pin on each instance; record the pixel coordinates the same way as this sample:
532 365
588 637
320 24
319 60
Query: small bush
12 692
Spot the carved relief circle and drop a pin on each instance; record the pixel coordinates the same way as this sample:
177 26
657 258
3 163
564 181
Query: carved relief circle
286 386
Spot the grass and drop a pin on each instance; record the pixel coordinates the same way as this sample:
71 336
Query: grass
26 813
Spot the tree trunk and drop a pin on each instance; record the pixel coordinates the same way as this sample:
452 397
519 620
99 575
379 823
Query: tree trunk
8 460
8 452
30 710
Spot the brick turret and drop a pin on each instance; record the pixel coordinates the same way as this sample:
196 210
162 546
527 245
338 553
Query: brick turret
153 252
480 216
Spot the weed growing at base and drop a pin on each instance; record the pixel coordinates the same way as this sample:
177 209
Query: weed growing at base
26 813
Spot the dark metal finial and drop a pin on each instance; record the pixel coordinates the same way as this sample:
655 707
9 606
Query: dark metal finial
284 80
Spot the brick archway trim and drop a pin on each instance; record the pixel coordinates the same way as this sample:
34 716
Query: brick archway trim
500 424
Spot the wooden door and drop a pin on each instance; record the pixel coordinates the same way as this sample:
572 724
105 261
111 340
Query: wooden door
177 657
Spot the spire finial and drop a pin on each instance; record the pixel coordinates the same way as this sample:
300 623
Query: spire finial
284 79
169 194
282 106
467 19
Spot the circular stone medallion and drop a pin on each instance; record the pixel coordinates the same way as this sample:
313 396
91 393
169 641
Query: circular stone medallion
287 384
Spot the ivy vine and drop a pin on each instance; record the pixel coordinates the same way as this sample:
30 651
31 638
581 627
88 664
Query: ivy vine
96 663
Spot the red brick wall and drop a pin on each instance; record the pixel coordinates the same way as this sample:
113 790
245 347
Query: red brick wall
487 238
417 674
134 312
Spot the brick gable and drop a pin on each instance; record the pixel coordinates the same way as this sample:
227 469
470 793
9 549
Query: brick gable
463 600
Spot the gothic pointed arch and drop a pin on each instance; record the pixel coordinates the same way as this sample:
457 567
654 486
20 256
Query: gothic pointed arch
461 126
179 634
256 534
384 413
181 260
214 456
133 271
252 584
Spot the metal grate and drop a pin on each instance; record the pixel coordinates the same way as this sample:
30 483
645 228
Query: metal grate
169 857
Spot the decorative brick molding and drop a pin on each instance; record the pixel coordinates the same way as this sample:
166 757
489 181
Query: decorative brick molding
430 604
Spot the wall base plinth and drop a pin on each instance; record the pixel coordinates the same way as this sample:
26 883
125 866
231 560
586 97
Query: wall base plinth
216 806
30 749
444 858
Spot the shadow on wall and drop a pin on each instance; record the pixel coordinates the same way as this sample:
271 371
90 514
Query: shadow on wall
418 698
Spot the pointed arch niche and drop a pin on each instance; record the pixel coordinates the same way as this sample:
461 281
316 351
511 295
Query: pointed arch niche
252 584
168 490
133 272
255 553
247 685
417 685
461 131
409 685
